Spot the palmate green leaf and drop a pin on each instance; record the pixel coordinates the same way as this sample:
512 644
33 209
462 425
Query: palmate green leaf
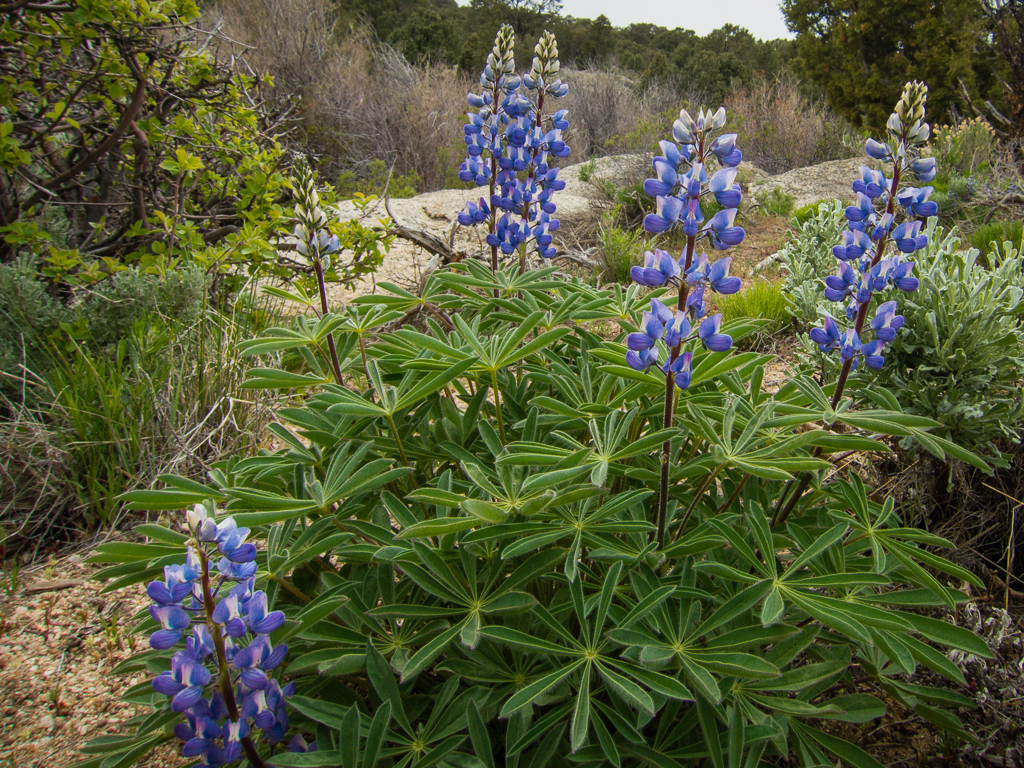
709 729
483 510
437 527
478 736
844 750
528 694
436 497
739 603
580 722
858 708
793 706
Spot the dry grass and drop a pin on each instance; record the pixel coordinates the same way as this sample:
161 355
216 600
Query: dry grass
781 130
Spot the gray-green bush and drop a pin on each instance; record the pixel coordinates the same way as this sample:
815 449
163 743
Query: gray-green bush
959 358
807 259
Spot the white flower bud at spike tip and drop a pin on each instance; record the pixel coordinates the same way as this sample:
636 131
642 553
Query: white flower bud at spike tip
895 125
719 118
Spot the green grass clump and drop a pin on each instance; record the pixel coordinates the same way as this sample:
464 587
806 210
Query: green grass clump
996 232
776 202
805 213
759 300
621 249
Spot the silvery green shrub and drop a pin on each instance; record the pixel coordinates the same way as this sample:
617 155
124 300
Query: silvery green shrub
486 540
807 259
960 357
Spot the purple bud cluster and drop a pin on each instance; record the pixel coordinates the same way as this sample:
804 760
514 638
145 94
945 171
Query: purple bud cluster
509 143
887 211
680 184
232 635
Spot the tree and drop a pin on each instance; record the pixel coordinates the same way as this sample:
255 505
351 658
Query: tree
1006 20
124 139
861 52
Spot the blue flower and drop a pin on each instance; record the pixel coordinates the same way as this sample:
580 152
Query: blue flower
886 322
862 210
838 287
850 346
855 244
708 333
175 587
908 237
652 325
640 361
667 178
871 183
184 681
720 280
722 232
727 194
681 369
667 213
173 622
924 168
872 353
677 329
902 278
659 267
877 150
827 338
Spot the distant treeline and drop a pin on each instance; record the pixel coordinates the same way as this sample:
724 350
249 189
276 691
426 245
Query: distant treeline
439 31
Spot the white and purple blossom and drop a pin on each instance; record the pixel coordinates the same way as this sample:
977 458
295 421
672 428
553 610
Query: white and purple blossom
887 211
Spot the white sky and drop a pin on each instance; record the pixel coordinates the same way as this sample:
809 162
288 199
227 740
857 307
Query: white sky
762 17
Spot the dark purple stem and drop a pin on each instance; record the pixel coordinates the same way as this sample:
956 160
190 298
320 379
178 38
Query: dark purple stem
224 676
318 268
862 313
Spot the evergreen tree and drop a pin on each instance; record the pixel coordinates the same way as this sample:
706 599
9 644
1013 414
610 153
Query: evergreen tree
861 52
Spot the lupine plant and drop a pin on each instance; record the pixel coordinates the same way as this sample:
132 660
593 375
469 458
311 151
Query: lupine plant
463 547
509 142
231 627
681 181
889 212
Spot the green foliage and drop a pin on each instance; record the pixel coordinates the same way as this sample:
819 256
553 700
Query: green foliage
460 536
587 169
163 397
776 202
960 357
28 315
621 249
995 235
759 300
179 159
805 213
861 53
111 310
807 260
378 181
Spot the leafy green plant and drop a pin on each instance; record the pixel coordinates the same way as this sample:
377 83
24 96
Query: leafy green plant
960 356
776 202
467 544
587 169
